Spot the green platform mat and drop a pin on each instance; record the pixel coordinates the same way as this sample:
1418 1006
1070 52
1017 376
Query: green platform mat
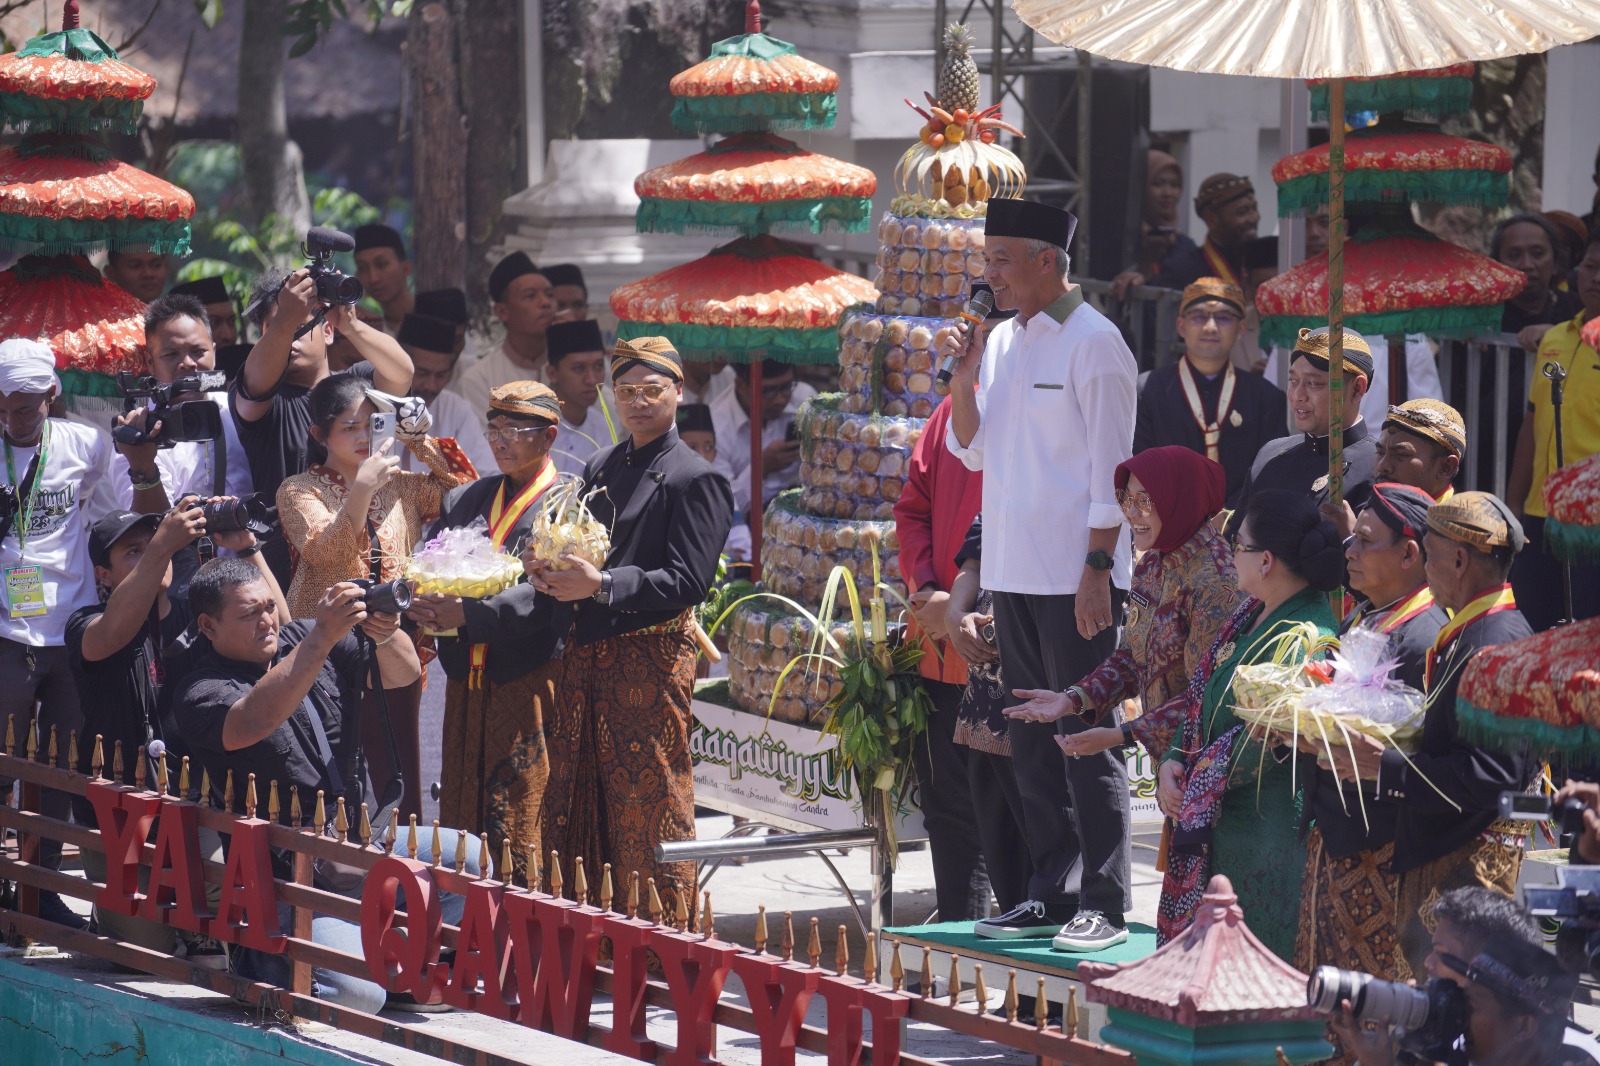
1033 953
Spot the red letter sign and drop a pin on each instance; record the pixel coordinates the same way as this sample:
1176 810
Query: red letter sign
401 958
177 886
247 913
124 819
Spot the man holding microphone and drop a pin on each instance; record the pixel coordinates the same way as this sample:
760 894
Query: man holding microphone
1046 410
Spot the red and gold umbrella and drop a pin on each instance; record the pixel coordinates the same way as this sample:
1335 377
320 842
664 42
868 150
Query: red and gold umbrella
1572 511
755 298
753 82
1540 694
1415 165
1438 92
752 183
1393 283
71 82
63 203
94 327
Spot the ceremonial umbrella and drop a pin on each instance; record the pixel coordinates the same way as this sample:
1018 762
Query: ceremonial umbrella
754 82
55 199
94 327
71 82
1572 511
753 183
1384 167
1438 92
1540 694
1326 39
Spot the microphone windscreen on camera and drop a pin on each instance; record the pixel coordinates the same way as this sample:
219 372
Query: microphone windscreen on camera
331 239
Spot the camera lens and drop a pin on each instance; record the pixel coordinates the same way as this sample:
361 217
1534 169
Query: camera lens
1371 1000
338 290
386 597
248 512
1329 986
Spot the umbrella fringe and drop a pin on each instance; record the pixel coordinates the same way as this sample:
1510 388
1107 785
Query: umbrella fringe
87 383
55 236
741 344
1561 746
755 111
30 115
1438 97
1573 543
1307 193
1432 321
849 214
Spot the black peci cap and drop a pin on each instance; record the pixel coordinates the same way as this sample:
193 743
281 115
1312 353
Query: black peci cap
508 270
428 333
207 290
564 338
566 274
448 304
377 235
695 418
1030 220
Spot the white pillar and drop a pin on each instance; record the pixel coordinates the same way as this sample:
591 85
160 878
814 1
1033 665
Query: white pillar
1571 127
533 87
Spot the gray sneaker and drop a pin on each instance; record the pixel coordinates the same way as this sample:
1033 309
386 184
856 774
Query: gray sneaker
1087 932
1027 919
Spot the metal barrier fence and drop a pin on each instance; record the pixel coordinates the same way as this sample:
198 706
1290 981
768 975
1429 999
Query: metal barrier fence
519 954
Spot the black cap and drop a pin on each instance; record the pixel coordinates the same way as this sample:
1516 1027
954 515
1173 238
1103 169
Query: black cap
448 304
1261 254
379 236
564 338
566 274
206 290
428 333
110 529
695 418
508 270
1030 220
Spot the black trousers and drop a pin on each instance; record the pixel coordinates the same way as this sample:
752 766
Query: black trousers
998 806
1075 812
50 686
1536 582
960 881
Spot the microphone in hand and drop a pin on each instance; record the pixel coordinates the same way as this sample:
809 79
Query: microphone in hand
979 304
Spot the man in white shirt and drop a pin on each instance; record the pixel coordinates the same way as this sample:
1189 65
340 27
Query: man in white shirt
1046 411
704 382
147 479
52 468
577 374
525 304
781 397
431 343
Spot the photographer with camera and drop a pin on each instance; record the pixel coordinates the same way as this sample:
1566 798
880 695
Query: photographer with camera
281 702
355 514
52 470
271 401
176 438
1493 996
129 654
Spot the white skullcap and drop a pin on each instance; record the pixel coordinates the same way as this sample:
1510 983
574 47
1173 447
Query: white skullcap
26 366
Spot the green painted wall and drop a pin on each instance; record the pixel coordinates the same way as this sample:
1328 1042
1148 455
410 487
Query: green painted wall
49 1019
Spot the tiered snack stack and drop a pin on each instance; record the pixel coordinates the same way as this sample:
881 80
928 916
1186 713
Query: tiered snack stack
856 445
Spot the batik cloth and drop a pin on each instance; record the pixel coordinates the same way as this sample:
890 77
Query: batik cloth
1492 859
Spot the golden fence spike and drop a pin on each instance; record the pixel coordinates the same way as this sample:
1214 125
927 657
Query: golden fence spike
580 883
116 763
392 837
411 839
979 992
55 754
438 843
680 911
556 884
162 780
1069 1017
786 941
341 821
633 894
183 778
297 816
814 945
72 749
761 929
869 961
841 952
531 874
1041 1007
33 743
11 734
607 890
319 815
927 973
897 970
708 922
227 792
97 757
461 850
205 787
483 855
1011 996
955 979
250 796
654 898
139 775
507 866
274 807
364 826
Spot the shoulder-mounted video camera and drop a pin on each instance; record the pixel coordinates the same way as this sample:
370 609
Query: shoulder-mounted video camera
192 420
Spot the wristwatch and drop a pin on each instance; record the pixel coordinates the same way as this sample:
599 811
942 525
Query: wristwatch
1098 560
602 595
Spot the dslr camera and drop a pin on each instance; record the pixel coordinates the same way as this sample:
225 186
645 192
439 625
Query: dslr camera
335 288
192 420
1428 1022
252 512
386 597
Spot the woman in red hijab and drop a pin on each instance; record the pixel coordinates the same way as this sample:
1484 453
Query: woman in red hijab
1184 589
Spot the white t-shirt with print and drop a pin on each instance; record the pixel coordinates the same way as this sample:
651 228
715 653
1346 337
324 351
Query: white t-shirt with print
57 537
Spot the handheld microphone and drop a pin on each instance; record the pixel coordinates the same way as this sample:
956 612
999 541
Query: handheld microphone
978 307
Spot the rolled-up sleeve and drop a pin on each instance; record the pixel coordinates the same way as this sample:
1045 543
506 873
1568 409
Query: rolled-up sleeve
1108 394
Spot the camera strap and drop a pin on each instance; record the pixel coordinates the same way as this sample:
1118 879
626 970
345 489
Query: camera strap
32 478
375 681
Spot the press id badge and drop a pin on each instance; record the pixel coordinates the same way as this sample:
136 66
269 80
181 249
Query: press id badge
24 591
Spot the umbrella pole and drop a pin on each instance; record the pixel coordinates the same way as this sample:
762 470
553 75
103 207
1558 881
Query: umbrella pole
1336 291
755 469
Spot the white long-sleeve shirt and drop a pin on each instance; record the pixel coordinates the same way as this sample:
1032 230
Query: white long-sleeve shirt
1056 401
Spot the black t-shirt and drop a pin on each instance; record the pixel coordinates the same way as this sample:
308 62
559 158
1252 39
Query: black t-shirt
1558 308
128 690
290 756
